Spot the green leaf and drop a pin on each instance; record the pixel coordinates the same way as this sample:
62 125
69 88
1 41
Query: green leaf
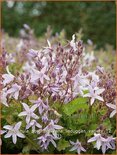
26 149
85 92
107 124
75 105
62 144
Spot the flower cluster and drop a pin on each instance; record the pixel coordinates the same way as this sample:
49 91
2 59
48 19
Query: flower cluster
102 142
54 74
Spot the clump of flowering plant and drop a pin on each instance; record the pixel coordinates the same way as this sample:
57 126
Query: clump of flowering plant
55 100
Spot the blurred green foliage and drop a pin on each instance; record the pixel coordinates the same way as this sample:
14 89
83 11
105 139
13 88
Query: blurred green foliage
97 19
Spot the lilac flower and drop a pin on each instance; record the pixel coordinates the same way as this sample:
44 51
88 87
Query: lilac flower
13 130
45 140
29 112
101 69
28 67
67 96
40 104
103 143
94 94
32 54
54 88
1 132
94 77
14 91
10 58
62 93
80 79
52 128
112 141
94 84
45 117
108 143
39 75
99 140
80 83
112 106
78 90
7 77
63 76
44 62
77 146
3 97
33 124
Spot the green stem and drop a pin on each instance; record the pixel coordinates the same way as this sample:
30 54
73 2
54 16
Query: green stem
32 144
89 114
114 132
90 109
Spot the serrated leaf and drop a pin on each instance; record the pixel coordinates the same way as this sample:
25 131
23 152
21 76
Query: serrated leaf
83 118
62 144
75 105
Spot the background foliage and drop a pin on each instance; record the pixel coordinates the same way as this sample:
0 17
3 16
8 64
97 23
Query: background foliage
96 19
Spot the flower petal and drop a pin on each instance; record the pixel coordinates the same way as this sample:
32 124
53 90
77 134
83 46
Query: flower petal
7 78
78 150
3 97
38 125
19 134
17 126
14 138
2 132
24 113
16 94
28 126
92 139
111 105
9 134
11 90
58 127
72 143
27 119
103 149
33 108
53 142
8 127
35 116
46 77
112 113
26 107
73 148
99 91
92 100
99 98
98 144
83 149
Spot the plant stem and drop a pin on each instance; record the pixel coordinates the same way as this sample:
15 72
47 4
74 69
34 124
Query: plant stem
32 144
114 132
